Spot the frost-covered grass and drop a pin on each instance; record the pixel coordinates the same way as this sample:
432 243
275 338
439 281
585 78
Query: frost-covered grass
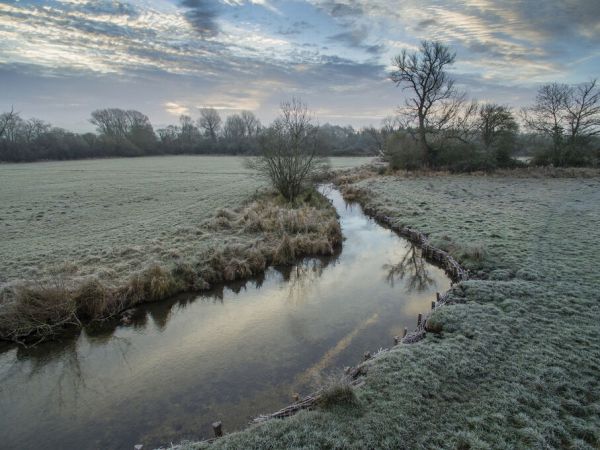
517 363
115 216
129 223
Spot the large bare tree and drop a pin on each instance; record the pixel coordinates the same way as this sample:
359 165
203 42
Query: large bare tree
433 101
289 150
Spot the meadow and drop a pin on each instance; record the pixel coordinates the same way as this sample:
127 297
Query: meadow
515 358
110 219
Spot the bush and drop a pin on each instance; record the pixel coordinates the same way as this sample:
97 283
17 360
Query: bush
403 152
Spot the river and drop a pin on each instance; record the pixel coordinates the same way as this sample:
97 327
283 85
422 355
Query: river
227 354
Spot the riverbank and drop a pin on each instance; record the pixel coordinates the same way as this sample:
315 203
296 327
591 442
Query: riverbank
515 360
266 231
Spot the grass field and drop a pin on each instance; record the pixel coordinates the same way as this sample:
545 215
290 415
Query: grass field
517 362
115 216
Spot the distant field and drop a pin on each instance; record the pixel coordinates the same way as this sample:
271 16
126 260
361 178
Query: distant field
111 217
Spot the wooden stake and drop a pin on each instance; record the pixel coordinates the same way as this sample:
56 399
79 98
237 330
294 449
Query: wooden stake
419 319
432 305
296 397
218 428
437 296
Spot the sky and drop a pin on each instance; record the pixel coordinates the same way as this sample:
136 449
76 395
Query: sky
61 59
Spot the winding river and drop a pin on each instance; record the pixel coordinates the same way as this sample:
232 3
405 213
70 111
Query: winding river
228 354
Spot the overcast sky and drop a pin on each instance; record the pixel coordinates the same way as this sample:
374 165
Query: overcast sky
60 59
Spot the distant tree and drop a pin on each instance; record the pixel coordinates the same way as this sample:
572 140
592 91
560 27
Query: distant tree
12 126
34 128
583 111
189 135
5 120
129 131
251 123
569 117
234 128
379 136
547 114
434 101
112 122
210 122
498 129
289 150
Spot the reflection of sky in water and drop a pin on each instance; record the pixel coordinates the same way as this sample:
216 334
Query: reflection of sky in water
190 361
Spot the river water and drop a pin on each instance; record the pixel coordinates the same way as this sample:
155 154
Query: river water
228 354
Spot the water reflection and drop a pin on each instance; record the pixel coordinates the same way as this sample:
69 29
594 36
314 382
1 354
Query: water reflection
411 269
228 354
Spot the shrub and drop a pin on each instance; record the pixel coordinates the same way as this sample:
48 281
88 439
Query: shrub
403 152
337 392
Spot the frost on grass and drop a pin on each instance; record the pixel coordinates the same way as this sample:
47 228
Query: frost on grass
513 360
115 233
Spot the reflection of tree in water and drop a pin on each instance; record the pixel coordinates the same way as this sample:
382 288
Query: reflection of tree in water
300 277
412 269
57 365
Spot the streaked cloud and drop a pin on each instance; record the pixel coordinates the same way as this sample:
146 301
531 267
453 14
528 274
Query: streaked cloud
169 56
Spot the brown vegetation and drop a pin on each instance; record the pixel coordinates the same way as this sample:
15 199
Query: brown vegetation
37 311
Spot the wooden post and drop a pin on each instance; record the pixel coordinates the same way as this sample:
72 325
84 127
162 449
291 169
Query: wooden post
405 332
419 319
437 296
296 397
432 305
218 428
367 355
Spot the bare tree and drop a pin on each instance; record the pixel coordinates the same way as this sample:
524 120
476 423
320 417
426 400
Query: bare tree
546 116
34 128
5 120
210 122
379 136
569 116
424 74
289 150
583 111
130 129
234 128
493 121
188 132
251 123
111 122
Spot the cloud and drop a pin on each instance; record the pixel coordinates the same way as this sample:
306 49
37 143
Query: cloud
202 14
249 54
176 109
357 38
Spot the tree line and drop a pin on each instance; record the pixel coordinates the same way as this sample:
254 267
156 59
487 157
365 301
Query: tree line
130 133
439 128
